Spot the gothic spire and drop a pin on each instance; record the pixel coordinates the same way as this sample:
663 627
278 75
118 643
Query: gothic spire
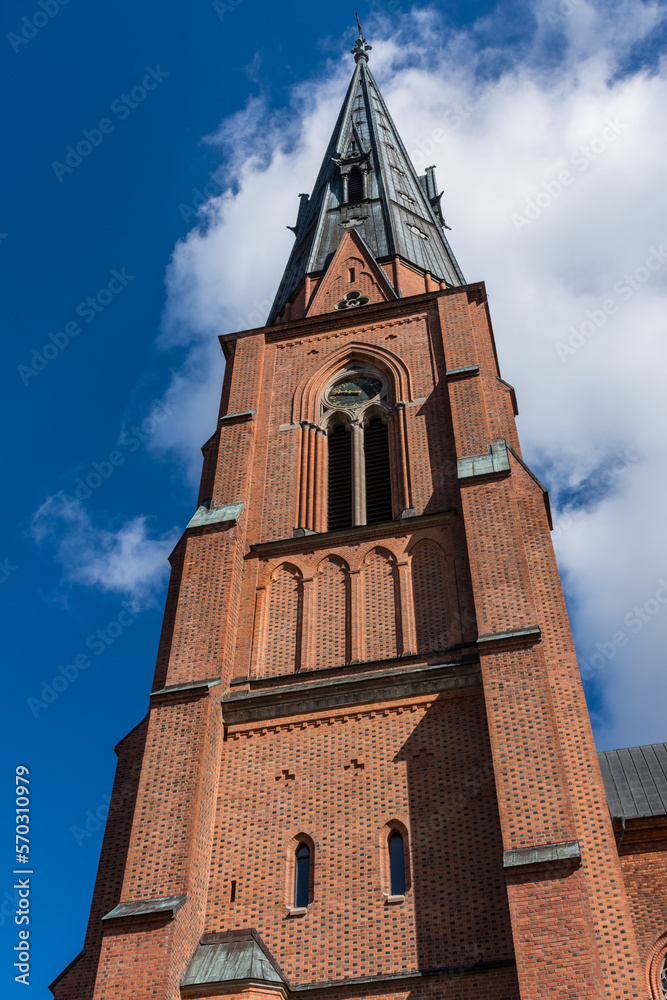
368 182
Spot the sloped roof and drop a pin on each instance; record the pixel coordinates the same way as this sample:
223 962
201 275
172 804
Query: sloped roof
635 781
230 957
400 216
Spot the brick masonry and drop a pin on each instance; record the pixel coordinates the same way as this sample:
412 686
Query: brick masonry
274 717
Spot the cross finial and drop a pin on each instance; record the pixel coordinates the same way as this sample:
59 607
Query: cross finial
360 47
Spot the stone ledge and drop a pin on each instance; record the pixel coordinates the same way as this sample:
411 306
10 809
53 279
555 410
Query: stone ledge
312 696
466 370
229 512
203 686
515 633
166 906
497 460
351 536
568 850
240 416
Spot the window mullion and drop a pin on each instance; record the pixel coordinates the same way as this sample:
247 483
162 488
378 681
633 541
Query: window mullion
358 474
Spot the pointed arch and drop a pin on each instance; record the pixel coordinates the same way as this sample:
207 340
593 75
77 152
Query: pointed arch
429 591
305 405
300 858
394 865
381 622
307 411
284 622
332 613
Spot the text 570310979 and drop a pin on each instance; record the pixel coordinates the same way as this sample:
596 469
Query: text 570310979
22 885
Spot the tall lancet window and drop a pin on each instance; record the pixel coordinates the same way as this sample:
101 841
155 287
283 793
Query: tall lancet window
302 875
359 481
376 467
340 478
396 864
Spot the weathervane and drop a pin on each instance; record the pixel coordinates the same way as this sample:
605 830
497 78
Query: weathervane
360 47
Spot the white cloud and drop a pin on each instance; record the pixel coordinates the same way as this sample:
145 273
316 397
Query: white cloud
502 121
126 562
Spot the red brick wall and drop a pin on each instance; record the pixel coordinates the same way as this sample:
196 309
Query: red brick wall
645 875
78 982
340 777
465 775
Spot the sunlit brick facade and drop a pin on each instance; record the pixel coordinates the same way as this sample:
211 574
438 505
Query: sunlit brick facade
410 676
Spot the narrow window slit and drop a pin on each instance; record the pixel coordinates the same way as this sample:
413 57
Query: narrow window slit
396 864
302 876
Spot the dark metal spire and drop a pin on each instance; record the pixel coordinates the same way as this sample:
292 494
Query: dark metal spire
367 182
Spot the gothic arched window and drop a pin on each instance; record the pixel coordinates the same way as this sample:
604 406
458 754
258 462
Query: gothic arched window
376 467
302 875
361 479
340 478
396 864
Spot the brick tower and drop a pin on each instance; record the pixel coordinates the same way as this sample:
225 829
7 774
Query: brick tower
367 768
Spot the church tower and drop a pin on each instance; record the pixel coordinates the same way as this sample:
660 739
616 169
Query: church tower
367 768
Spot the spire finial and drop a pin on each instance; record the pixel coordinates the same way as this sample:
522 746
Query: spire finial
360 47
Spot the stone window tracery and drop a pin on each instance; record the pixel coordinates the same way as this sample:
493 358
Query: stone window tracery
353 432
359 489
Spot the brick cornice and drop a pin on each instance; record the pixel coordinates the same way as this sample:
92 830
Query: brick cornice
310 695
375 312
352 536
403 977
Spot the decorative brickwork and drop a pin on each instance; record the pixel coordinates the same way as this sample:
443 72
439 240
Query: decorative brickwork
379 587
332 628
328 687
428 588
283 622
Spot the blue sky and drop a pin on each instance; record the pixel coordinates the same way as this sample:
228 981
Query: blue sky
114 290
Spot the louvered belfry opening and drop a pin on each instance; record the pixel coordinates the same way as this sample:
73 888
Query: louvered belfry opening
378 479
355 185
340 478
